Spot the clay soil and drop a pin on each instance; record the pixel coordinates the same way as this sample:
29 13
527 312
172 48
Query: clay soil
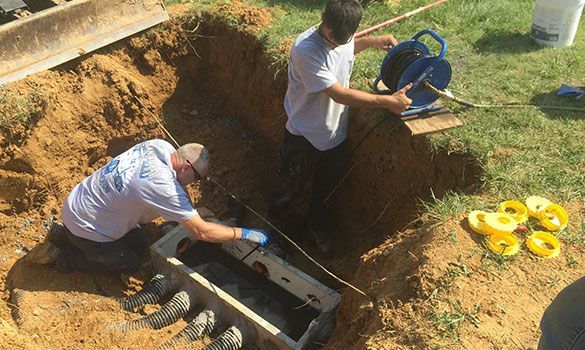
59 126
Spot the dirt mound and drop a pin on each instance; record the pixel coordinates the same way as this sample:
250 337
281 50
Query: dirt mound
60 126
439 287
248 17
82 115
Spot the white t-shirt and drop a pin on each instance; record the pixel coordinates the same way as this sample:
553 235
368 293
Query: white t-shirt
136 187
314 67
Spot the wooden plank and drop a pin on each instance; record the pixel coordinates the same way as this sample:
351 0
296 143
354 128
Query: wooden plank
427 123
431 122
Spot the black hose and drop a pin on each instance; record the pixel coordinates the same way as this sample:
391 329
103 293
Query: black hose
228 340
168 314
16 296
150 294
198 328
398 64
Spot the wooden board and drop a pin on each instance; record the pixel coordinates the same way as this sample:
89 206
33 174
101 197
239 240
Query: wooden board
427 123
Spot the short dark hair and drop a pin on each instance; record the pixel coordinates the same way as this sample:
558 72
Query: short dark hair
343 17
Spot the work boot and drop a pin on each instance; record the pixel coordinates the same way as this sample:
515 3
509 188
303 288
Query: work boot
322 241
57 235
43 254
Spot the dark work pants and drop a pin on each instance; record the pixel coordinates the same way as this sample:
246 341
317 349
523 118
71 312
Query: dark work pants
301 162
111 258
563 322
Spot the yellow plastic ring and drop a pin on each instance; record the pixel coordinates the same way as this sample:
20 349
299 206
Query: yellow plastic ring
535 205
503 244
476 220
554 217
543 244
517 210
500 223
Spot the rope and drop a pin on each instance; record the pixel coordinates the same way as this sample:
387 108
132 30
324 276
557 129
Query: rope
284 236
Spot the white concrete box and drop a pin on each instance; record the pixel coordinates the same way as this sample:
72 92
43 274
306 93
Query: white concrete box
258 331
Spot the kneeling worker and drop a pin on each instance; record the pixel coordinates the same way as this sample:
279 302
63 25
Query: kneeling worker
102 213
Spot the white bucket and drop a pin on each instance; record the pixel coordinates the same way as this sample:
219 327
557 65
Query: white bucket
555 22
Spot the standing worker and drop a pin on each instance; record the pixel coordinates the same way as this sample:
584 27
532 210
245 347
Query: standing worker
316 102
101 215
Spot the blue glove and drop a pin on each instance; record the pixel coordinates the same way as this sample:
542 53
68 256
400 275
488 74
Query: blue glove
257 236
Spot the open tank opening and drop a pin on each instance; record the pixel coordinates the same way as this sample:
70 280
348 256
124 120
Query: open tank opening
251 287
273 304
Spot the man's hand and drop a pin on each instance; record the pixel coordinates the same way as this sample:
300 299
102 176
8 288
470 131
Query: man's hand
384 42
398 102
257 236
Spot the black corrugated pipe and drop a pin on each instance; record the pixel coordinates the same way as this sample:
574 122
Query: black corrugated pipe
150 294
228 340
168 314
16 296
198 328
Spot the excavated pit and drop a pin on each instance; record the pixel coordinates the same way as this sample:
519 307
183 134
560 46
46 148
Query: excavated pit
221 89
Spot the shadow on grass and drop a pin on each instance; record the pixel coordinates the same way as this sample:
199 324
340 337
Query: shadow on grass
551 99
499 42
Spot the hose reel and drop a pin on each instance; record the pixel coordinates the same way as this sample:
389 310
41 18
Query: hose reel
411 61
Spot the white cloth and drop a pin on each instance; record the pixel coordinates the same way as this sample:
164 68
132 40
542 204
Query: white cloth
314 67
136 187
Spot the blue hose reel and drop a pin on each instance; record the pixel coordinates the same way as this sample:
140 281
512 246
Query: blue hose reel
411 61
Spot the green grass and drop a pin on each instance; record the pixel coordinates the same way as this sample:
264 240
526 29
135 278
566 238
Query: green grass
17 110
448 322
491 260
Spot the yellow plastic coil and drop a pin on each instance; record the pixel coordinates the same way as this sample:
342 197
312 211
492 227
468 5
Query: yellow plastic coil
506 244
476 220
554 217
517 210
543 244
535 205
500 223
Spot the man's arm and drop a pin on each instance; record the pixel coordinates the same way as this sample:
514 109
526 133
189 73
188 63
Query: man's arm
397 103
212 232
384 42
209 231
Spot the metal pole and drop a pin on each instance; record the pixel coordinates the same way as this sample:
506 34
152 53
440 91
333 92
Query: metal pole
398 19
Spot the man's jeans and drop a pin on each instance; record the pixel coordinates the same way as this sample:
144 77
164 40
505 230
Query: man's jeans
563 322
113 258
301 162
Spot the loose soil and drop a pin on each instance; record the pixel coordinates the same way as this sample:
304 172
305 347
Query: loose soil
216 85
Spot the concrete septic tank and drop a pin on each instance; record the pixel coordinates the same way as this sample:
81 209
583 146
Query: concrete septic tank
272 303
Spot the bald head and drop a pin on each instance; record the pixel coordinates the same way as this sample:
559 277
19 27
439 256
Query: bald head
197 155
